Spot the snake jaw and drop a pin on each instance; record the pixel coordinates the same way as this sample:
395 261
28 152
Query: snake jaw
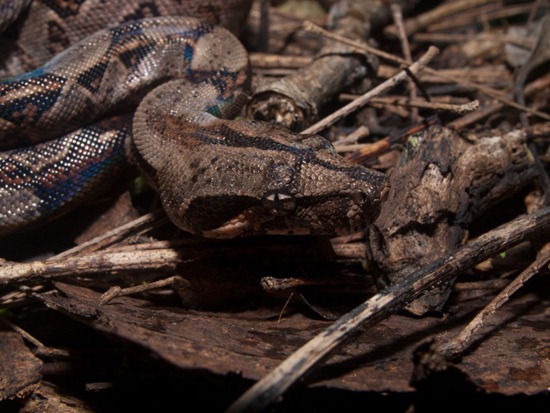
336 215
232 216
233 228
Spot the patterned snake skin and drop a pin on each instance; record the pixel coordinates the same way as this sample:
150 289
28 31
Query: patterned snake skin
216 177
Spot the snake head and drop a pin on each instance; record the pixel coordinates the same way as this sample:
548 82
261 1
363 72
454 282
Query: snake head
320 193
224 179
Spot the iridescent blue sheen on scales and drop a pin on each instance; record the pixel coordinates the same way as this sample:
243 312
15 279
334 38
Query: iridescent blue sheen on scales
76 88
42 184
87 80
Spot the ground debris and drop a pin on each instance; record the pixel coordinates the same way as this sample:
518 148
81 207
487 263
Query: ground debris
465 142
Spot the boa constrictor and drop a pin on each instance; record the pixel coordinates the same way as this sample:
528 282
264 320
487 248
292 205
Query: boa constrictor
216 177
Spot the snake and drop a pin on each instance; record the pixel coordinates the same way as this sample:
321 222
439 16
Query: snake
161 91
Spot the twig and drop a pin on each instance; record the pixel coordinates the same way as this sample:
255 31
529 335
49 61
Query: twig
358 147
473 117
398 19
270 61
162 256
481 15
263 35
457 346
314 28
370 150
436 106
23 333
359 102
147 221
381 305
491 92
116 291
358 134
92 263
40 348
274 285
437 14
541 83
525 43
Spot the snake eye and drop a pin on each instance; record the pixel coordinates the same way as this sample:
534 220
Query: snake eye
279 203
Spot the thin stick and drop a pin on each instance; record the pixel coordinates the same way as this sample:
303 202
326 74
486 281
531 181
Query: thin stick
158 255
480 16
436 106
381 305
93 263
524 43
147 221
314 28
469 118
398 19
437 14
361 101
116 291
359 133
461 343
23 333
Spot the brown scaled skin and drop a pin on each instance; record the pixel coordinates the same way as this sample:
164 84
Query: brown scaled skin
222 179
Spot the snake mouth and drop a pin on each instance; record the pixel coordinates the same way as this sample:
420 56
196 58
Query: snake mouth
376 205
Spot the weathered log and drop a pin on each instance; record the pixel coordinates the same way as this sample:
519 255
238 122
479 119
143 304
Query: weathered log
443 184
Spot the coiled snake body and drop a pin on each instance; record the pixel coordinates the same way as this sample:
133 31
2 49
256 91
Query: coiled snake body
216 177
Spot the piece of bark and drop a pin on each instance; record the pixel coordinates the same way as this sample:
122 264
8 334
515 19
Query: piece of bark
435 195
296 100
19 368
251 343
48 399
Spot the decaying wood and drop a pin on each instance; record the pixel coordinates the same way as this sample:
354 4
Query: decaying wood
48 398
257 340
444 183
296 100
357 103
19 368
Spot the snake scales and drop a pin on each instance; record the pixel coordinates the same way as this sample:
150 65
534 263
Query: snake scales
216 177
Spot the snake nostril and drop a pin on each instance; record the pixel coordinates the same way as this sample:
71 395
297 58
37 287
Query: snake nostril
359 198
